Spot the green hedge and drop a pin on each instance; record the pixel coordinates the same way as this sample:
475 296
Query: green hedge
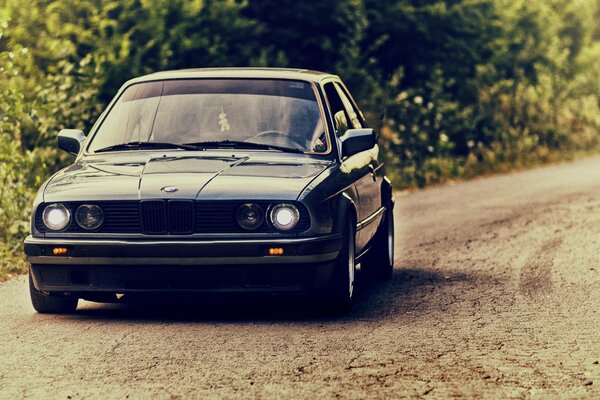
457 88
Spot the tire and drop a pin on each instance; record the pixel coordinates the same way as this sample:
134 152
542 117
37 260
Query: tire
48 304
340 291
379 261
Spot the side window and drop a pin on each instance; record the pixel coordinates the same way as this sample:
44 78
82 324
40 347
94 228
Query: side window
340 117
351 112
361 117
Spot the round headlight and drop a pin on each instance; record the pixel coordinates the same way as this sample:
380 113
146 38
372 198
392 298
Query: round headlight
89 216
56 217
284 216
249 216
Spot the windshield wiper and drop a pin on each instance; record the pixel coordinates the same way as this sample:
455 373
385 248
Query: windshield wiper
146 145
238 144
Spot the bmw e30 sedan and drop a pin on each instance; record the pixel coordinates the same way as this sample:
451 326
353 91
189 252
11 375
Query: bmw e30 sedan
215 180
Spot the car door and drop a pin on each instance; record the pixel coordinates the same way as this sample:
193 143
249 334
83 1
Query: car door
369 185
362 167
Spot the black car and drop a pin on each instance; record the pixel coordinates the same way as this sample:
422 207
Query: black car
215 180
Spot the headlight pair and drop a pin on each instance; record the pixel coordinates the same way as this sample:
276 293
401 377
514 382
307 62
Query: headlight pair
282 216
57 217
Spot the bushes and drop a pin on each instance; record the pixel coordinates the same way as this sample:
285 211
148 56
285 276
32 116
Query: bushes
457 88
20 173
484 86
33 106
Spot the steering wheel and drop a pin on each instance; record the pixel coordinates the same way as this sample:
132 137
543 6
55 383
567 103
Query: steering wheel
279 134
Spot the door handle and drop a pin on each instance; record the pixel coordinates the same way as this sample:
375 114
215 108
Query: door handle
372 169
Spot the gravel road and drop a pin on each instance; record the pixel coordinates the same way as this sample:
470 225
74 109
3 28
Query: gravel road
495 294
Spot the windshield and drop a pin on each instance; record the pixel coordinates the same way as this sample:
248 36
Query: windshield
281 113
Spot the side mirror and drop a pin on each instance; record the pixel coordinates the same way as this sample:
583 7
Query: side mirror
357 140
70 140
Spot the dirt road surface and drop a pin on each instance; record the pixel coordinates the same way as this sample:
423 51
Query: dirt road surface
495 293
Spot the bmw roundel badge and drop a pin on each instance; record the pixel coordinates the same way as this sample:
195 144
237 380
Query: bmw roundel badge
169 189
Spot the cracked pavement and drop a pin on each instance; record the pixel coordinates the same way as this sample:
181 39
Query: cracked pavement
494 294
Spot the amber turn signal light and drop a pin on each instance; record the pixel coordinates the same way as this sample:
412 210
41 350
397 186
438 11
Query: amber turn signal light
276 251
59 251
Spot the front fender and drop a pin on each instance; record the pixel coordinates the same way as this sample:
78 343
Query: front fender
37 200
329 198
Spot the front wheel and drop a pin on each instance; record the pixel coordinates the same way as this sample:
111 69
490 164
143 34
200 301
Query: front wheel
49 304
340 292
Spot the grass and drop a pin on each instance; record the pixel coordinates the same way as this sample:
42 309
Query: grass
437 171
12 263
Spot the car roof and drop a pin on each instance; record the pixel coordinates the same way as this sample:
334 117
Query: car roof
264 73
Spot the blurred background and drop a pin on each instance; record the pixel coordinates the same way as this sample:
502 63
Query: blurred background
457 88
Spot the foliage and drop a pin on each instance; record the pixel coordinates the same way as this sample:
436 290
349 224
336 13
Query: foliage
457 88
484 85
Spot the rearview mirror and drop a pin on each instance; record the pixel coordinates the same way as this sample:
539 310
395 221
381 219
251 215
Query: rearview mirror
70 140
357 140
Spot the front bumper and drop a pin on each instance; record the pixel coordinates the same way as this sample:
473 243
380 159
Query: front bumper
192 265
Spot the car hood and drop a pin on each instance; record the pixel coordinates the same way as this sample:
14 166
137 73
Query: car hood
131 176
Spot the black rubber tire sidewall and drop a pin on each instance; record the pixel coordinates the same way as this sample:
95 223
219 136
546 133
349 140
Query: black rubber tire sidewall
48 304
337 294
377 262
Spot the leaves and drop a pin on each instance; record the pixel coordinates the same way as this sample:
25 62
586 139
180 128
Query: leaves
456 87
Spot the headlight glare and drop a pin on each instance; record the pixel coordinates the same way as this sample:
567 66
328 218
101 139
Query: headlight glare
89 216
284 216
56 217
249 216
